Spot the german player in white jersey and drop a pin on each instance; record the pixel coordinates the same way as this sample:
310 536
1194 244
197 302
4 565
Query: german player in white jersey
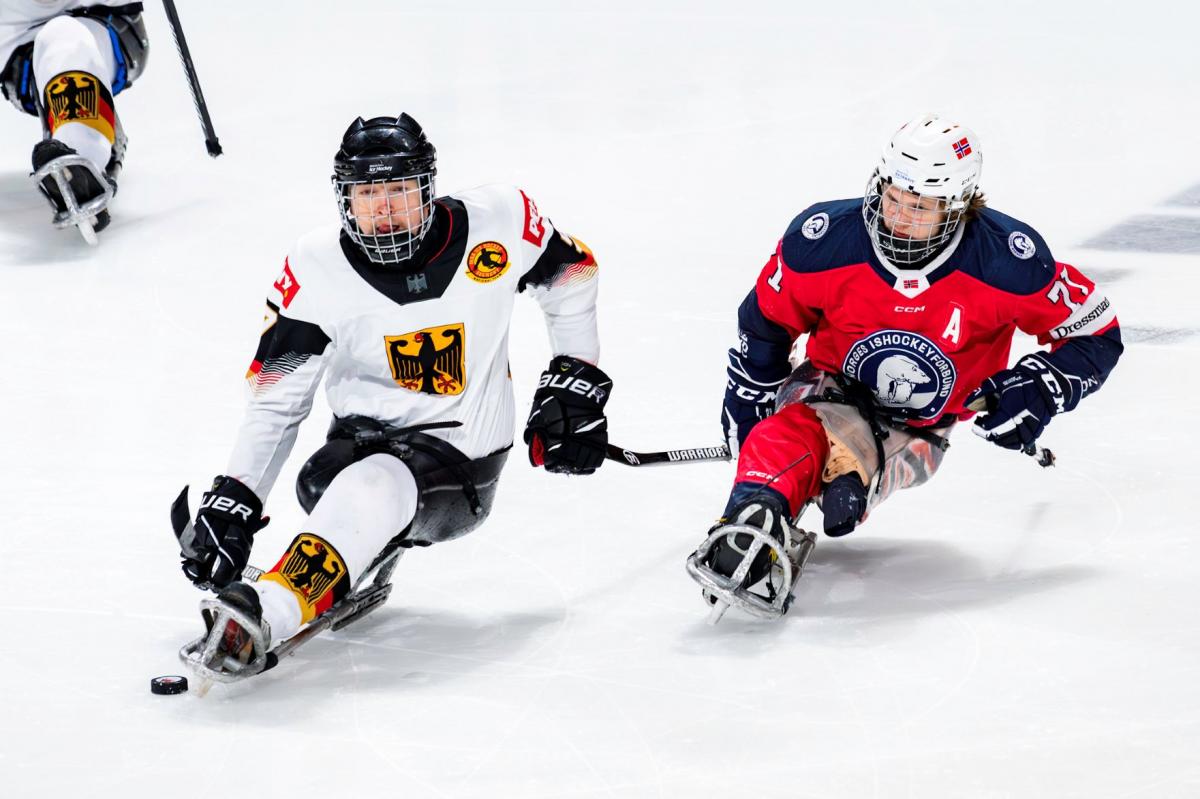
404 310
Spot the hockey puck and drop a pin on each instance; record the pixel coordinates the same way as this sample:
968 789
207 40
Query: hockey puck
170 684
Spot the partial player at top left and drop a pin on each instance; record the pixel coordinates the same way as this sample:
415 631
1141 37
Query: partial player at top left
64 61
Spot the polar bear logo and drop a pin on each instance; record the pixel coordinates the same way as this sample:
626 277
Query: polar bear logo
898 376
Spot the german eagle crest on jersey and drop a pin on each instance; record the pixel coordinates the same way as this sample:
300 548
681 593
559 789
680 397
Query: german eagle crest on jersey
431 361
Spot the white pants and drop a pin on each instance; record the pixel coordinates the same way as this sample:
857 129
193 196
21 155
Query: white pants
74 44
365 506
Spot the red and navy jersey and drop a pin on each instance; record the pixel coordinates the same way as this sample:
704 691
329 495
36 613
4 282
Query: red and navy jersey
923 339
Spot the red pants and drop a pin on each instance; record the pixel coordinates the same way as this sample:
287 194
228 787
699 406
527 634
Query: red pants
790 447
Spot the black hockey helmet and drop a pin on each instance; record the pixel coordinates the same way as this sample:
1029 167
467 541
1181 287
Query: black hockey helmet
384 147
392 157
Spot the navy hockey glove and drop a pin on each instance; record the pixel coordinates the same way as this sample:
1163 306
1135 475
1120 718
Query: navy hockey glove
216 548
1018 403
747 401
567 431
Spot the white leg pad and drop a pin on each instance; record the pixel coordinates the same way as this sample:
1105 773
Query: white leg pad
365 506
67 44
280 609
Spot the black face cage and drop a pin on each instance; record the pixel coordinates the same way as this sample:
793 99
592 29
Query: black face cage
398 244
900 250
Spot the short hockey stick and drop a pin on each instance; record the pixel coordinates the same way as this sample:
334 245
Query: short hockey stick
185 55
696 455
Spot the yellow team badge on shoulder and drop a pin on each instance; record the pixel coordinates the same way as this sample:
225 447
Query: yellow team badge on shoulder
313 571
431 361
487 262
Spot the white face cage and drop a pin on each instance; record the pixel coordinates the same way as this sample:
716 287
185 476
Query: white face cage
386 218
905 233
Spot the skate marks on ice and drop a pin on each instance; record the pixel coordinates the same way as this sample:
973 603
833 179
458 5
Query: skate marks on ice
881 582
1173 227
393 651
27 236
1158 336
431 630
1157 233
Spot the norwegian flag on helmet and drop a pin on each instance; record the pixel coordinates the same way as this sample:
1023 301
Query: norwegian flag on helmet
962 148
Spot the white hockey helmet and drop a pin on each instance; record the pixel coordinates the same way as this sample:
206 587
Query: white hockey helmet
931 157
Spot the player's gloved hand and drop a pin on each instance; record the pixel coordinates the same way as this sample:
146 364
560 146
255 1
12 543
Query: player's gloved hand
747 402
1018 403
216 548
567 431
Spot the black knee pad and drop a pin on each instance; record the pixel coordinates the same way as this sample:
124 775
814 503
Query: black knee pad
127 32
455 493
445 510
16 80
325 464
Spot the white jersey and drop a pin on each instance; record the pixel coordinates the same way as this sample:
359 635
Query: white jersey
21 19
412 346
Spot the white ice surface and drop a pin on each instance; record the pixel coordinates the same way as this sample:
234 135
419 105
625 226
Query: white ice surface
1002 632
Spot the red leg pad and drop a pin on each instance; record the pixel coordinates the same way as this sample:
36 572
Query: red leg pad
778 446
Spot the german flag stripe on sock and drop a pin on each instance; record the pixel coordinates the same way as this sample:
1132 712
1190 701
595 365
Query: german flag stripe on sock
80 97
314 571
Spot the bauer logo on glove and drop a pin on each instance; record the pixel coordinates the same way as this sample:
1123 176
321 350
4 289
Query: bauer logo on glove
567 431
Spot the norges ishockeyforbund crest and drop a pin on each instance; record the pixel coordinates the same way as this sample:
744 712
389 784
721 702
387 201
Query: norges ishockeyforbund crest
432 361
906 371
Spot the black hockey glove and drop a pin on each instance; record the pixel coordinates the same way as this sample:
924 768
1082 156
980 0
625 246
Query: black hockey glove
567 431
1018 403
216 548
748 399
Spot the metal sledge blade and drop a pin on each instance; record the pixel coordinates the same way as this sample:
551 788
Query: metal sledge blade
724 592
81 215
87 229
204 657
718 608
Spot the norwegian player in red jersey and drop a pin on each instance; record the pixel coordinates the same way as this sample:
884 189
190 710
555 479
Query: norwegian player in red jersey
909 298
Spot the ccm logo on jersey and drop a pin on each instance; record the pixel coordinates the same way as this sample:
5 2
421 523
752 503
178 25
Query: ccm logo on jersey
227 505
576 385
287 285
535 228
